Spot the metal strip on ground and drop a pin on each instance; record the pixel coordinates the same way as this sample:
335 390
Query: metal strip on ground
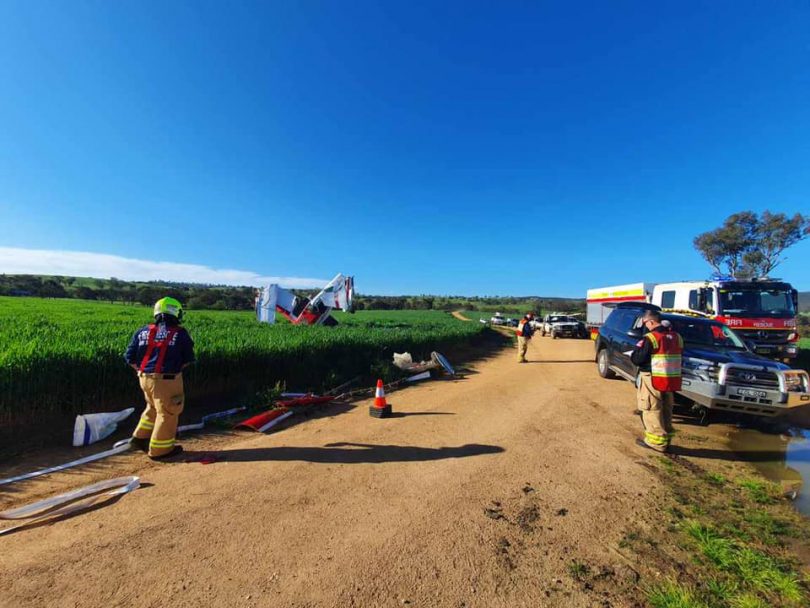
216 415
71 502
118 448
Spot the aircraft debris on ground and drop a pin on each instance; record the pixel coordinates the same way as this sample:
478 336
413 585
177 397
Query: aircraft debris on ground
337 295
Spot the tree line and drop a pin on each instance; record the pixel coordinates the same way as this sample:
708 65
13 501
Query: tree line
193 296
220 297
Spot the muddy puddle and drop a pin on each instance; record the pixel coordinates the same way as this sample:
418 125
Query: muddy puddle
781 455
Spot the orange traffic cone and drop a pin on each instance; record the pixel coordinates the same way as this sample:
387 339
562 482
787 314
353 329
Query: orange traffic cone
380 409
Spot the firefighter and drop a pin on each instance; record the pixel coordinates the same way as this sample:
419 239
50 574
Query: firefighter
159 352
658 357
524 334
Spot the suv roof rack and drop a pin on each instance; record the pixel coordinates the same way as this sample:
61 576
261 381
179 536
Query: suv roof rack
641 305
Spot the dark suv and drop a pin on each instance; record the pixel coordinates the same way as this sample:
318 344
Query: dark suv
719 369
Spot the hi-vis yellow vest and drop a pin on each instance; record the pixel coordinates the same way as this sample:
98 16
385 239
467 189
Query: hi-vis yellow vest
666 360
519 330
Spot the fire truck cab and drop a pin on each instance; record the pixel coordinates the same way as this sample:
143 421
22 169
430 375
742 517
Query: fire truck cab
761 311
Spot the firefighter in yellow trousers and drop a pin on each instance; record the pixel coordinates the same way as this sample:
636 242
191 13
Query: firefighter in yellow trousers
159 352
524 334
658 357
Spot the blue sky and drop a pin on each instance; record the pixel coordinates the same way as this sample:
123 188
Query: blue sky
450 148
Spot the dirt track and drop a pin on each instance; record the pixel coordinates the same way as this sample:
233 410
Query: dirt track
482 492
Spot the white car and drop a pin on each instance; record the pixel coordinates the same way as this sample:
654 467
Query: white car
497 319
558 326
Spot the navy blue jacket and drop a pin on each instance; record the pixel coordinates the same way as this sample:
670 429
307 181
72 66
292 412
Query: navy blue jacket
178 353
528 330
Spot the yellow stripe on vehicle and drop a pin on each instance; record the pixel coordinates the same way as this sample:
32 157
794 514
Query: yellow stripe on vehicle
615 294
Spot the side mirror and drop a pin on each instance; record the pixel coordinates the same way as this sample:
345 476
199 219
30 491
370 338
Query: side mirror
794 295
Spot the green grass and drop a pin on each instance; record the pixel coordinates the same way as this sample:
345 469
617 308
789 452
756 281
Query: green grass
672 595
754 569
62 357
765 527
578 570
760 491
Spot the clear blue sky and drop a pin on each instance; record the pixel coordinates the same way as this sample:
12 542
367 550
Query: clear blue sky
426 147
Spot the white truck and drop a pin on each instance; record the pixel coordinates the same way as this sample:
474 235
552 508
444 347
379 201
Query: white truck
762 311
600 302
558 325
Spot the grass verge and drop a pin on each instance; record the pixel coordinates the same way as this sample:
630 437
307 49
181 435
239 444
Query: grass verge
729 540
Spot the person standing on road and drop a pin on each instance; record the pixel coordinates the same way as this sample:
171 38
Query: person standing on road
159 352
524 334
658 357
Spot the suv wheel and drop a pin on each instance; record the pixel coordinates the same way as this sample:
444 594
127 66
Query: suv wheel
602 365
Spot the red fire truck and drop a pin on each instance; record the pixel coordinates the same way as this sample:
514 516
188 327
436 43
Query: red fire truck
762 311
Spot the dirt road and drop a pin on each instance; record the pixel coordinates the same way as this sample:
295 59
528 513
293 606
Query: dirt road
486 491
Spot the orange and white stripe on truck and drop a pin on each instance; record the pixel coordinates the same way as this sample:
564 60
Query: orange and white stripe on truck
624 295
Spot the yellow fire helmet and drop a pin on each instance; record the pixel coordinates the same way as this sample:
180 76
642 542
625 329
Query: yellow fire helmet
169 306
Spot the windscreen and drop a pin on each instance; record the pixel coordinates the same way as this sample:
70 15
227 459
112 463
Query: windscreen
703 334
757 302
560 319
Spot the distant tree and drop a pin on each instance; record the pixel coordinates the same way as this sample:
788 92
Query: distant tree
747 245
146 295
776 233
378 304
85 293
52 289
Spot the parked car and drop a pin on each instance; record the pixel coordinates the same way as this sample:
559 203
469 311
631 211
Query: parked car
720 371
562 326
497 319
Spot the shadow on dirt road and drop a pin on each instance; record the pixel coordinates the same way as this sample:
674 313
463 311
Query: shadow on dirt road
743 456
357 453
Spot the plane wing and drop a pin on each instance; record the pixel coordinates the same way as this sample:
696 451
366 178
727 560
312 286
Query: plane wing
336 295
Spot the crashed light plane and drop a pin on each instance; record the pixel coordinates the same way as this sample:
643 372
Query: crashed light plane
337 295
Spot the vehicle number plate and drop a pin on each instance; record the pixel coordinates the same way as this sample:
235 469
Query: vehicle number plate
747 392
764 350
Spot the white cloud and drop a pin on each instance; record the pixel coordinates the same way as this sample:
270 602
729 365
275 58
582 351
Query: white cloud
99 265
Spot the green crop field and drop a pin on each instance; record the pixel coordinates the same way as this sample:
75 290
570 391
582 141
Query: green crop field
475 315
63 357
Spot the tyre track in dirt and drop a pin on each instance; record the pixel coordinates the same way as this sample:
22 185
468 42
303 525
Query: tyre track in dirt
482 492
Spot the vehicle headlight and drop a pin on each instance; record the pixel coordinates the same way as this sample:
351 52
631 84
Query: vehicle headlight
795 382
700 368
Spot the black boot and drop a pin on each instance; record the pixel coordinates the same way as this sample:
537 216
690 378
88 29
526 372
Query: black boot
178 449
139 444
